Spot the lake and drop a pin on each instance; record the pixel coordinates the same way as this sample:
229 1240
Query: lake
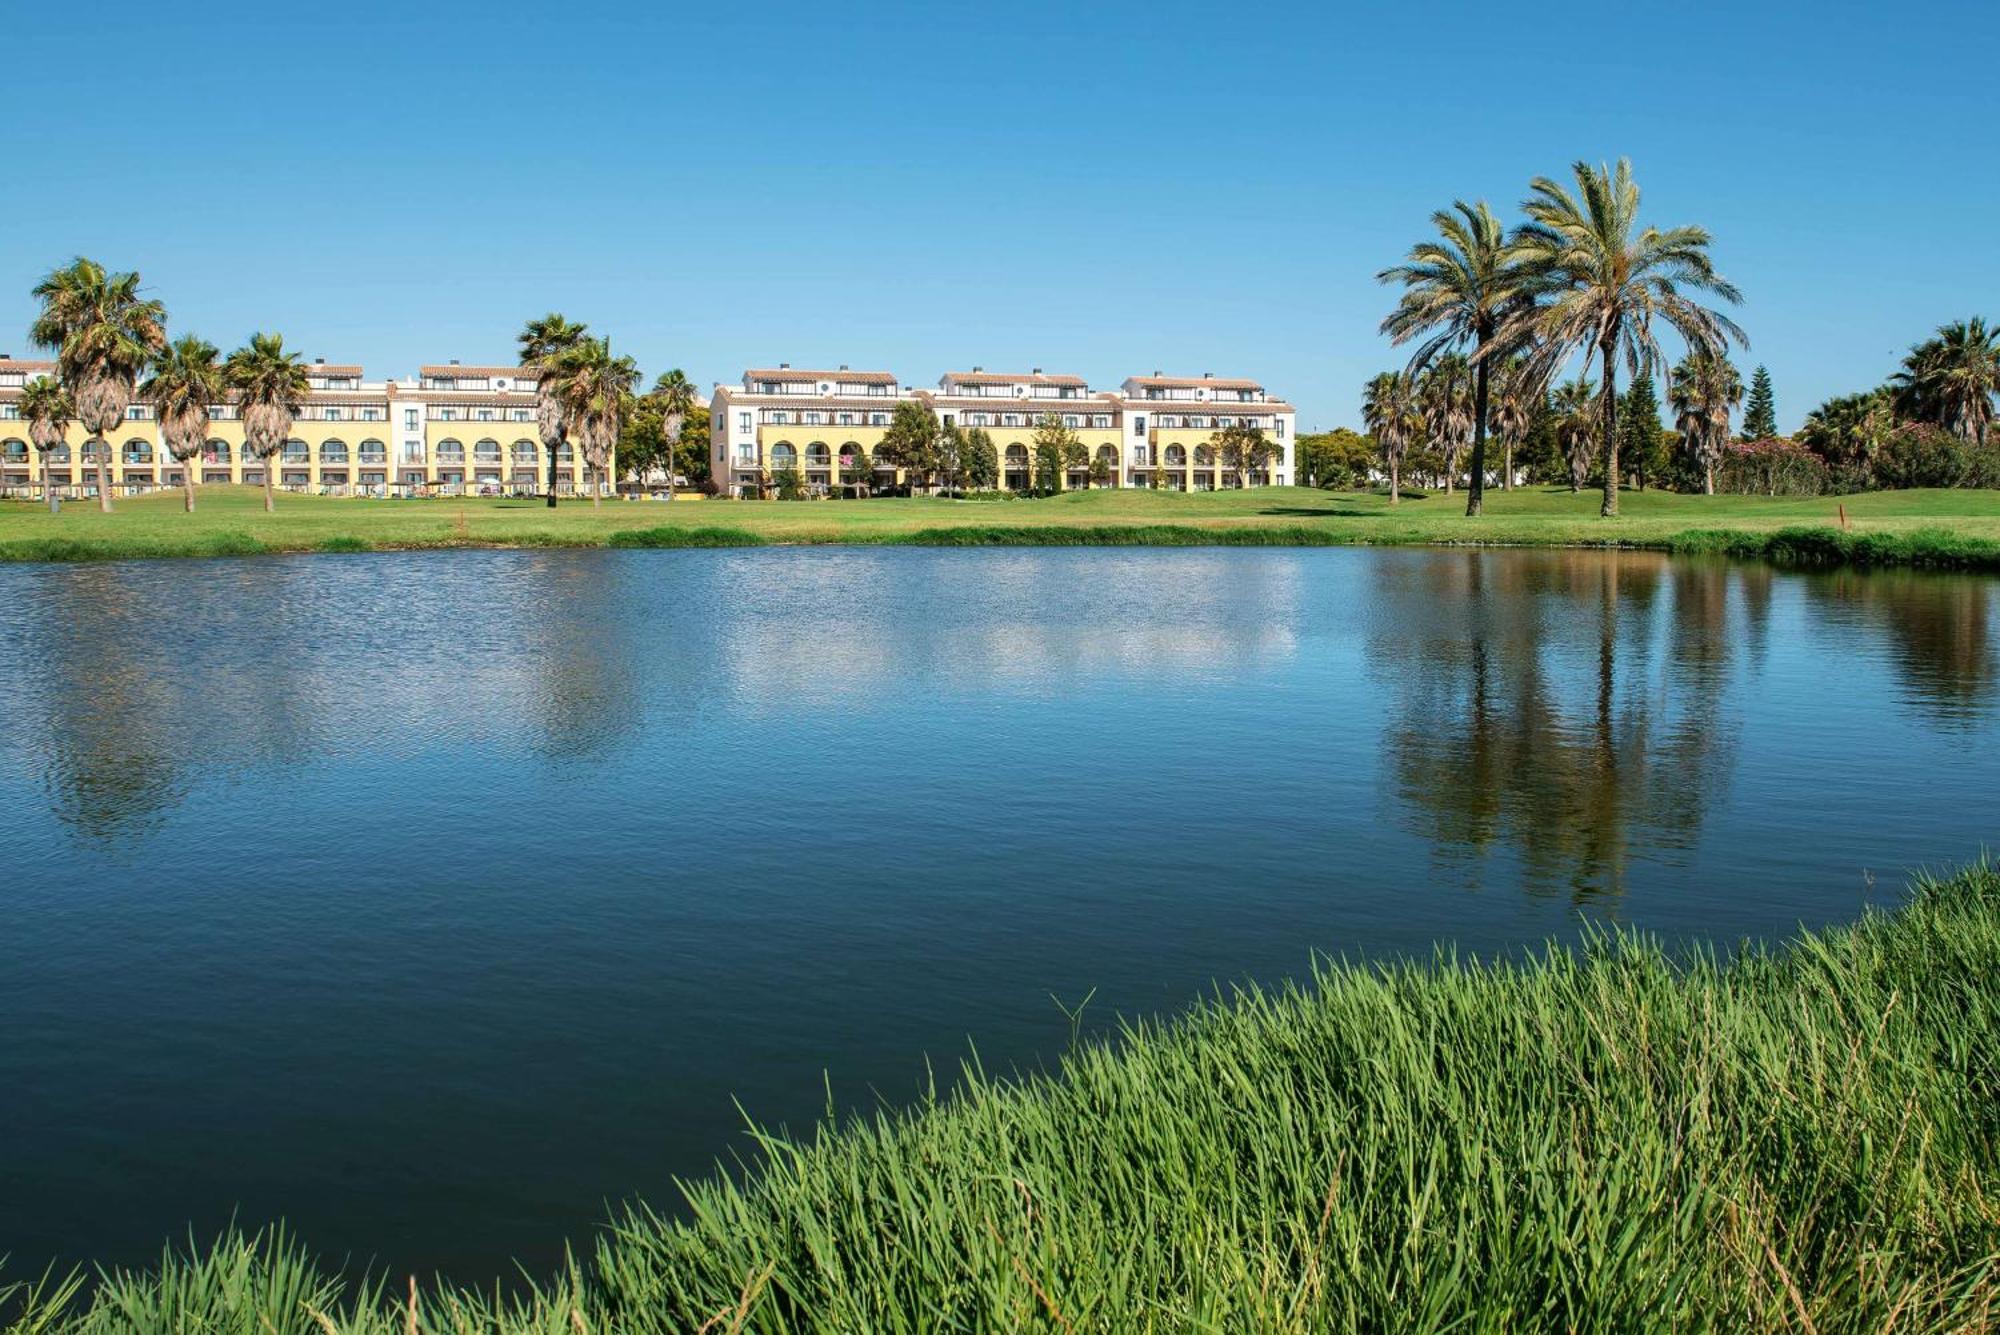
434 901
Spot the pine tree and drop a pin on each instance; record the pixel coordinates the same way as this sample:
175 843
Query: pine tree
1639 428
1760 418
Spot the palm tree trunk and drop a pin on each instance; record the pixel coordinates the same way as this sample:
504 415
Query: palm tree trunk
1475 495
187 484
1609 510
270 479
49 486
1395 481
1507 478
596 487
104 479
555 453
1708 481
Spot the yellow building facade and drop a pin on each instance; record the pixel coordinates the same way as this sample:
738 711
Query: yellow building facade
1154 431
450 430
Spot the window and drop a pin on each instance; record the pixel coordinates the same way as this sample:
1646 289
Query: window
1139 426
814 418
1071 419
409 419
846 419
371 414
135 413
1100 419
743 421
451 452
484 415
1010 419
486 452
333 452
780 418
12 412
447 415
331 415
878 419
413 451
1278 428
520 415
374 452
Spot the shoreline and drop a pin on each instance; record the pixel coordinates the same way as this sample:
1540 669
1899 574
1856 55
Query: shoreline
1737 1139
1796 547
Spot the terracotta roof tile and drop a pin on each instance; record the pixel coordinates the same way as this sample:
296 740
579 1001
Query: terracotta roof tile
1191 382
512 372
999 378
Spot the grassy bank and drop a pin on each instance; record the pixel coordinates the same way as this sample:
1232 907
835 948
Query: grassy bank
1805 1138
1951 529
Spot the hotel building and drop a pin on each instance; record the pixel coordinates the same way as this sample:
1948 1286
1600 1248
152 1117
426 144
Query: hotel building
821 422
449 430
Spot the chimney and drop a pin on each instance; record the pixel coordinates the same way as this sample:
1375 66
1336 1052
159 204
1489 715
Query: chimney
977 369
843 366
1208 375
1036 371
454 361
784 366
319 361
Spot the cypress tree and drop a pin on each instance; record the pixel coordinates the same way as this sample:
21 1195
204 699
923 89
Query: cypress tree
1639 428
1760 417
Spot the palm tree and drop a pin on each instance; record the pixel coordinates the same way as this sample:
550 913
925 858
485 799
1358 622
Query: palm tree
676 396
542 342
1445 395
1600 281
594 388
1575 429
186 379
270 385
1951 379
1702 391
1460 290
102 333
1518 393
46 407
1848 430
1389 411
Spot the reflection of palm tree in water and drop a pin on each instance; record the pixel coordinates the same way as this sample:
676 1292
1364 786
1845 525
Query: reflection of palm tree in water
1939 632
1529 724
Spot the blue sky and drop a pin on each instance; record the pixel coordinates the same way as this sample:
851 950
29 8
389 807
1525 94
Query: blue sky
1106 189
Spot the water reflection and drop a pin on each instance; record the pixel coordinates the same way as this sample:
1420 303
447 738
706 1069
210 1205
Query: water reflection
1939 631
1563 707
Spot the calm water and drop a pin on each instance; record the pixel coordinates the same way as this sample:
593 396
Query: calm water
433 901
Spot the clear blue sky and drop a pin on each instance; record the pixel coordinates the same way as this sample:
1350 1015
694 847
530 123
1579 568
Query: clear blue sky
1106 189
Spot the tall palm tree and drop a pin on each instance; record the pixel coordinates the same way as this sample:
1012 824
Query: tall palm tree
1445 395
1460 290
270 385
675 394
1576 429
46 407
594 387
103 333
1703 389
1951 379
187 378
1600 281
542 342
1389 411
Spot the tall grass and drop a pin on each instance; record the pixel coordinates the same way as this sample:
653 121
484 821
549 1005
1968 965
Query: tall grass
1604 1139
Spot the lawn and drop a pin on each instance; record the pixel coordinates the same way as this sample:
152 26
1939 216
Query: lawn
230 520
1610 1139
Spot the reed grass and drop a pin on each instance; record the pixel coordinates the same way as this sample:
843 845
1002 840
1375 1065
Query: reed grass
1606 1138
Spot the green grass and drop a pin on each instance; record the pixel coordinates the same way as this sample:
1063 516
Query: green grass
1954 529
1608 1139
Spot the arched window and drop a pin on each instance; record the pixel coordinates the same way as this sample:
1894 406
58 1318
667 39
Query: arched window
297 454
1204 455
567 454
1108 455
139 450
93 450
15 450
850 456
1017 456
1176 456
216 452
333 452
486 452
818 455
451 452
59 455
526 452
374 452
784 455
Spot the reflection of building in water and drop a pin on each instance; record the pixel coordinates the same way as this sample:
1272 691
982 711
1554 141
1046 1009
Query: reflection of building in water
1561 707
815 629
136 682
